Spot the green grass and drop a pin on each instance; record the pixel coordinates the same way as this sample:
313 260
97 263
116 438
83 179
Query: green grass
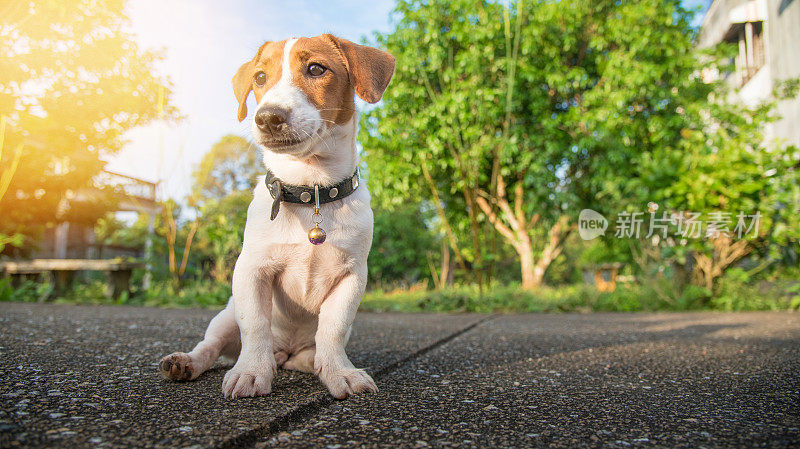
733 296
577 298
204 294
470 299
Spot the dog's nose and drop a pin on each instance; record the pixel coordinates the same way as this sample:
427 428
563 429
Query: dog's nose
271 120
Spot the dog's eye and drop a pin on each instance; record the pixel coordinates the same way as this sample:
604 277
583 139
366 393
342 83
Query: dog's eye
260 78
316 69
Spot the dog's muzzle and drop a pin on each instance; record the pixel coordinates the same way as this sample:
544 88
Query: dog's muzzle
275 126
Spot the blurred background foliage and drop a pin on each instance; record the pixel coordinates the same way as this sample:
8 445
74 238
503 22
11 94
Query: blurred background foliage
502 122
68 92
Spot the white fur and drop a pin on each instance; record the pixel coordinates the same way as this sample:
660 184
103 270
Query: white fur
293 302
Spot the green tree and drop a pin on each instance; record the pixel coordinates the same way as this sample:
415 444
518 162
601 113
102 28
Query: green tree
401 248
6 174
223 184
231 165
72 81
724 169
219 237
439 116
514 118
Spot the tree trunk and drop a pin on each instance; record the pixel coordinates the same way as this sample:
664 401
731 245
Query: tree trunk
446 277
530 278
517 232
533 270
708 269
453 241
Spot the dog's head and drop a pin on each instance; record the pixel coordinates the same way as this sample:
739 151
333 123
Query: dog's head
305 88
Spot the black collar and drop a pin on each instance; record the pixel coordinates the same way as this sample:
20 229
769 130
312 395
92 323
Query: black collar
305 195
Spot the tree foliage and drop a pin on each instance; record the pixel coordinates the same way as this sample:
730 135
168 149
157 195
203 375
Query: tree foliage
522 114
402 244
222 190
723 163
510 119
219 237
72 81
231 165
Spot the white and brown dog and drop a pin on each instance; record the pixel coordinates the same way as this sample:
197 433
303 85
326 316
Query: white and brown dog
294 302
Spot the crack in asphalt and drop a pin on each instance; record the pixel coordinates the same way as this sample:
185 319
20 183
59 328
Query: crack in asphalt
314 406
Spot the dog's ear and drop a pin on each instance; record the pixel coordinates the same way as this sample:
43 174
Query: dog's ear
369 69
242 86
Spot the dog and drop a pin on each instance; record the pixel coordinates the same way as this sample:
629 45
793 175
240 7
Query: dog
296 287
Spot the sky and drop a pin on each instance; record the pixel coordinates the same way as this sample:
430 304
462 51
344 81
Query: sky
204 42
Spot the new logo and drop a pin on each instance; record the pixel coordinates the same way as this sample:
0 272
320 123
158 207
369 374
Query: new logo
591 224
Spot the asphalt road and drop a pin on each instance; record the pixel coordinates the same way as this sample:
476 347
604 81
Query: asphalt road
87 377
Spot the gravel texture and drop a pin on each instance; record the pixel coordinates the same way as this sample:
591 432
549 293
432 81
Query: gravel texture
73 376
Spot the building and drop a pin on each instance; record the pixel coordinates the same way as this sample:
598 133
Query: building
67 240
768 36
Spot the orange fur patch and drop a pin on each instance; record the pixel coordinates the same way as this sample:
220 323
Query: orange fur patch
268 60
330 93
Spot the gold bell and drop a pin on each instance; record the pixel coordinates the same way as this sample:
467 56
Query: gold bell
316 235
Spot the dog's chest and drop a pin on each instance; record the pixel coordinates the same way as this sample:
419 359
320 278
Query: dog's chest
309 273
302 274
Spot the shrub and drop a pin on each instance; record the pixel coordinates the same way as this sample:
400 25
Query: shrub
28 291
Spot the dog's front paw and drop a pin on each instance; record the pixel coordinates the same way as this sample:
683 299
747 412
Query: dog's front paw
347 382
178 366
248 380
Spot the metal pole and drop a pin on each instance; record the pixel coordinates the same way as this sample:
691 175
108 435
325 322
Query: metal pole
148 251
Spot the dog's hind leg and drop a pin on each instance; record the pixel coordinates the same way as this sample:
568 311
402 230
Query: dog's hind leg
221 338
302 360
